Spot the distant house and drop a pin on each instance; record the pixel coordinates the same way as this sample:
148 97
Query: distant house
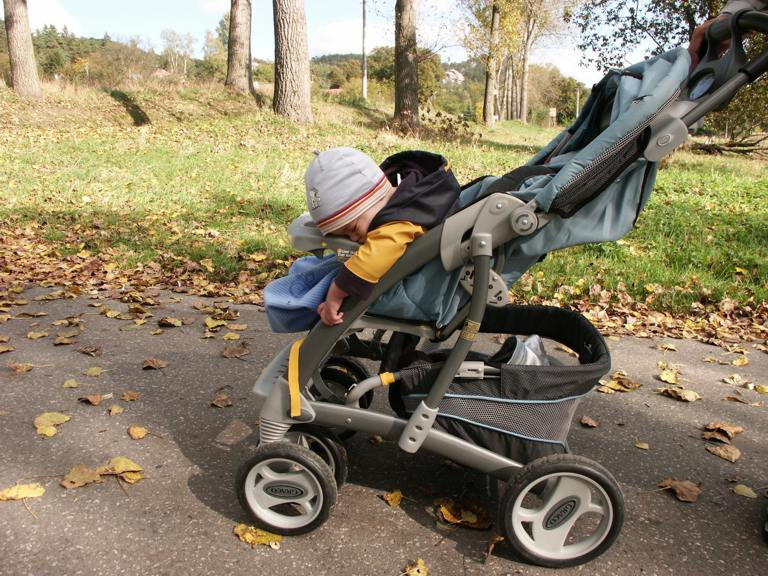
453 76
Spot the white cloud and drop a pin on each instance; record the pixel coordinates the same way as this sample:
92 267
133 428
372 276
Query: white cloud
51 12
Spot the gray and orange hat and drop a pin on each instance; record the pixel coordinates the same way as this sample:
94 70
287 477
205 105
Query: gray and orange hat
342 183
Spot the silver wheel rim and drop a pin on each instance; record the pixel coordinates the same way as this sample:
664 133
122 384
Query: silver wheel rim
314 444
569 503
283 493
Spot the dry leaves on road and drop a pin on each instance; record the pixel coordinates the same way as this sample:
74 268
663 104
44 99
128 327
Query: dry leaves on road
21 491
20 367
169 322
679 393
221 397
123 467
618 382
257 537
721 431
463 513
236 352
724 451
130 396
137 432
94 372
393 498
46 423
154 364
588 422
743 490
418 568
80 476
685 490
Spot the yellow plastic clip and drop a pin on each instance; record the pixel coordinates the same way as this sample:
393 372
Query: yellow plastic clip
293 378
386 378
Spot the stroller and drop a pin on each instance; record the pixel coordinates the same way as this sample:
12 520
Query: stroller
509 421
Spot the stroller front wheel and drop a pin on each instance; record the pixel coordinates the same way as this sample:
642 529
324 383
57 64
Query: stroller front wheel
287 488
562 510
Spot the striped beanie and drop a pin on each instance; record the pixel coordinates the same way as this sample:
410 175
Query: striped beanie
342 183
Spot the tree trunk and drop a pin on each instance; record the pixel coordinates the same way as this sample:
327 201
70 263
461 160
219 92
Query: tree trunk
490 70
239 75
502 89
508 90
20 51
523 116
406 68
292 79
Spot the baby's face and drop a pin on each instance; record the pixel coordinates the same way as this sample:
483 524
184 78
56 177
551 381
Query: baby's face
357 230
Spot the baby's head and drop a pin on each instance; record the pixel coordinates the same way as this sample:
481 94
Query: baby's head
345 190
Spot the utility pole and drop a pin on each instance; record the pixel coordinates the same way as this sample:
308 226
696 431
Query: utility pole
365 61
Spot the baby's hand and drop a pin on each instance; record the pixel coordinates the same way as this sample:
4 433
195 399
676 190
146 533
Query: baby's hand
329 313
329 310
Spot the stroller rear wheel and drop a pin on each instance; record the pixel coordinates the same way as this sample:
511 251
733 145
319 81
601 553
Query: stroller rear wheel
325 444
287 488
340 374
562 510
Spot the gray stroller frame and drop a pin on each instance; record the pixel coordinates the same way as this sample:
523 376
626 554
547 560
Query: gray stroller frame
291 482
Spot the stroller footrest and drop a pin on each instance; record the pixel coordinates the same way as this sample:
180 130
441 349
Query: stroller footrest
418 427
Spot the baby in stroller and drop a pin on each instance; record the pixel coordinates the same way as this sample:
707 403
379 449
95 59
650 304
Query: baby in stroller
510 421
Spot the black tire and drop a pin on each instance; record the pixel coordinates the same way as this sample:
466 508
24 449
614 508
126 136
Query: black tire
289 459
327 445
557 510
340 374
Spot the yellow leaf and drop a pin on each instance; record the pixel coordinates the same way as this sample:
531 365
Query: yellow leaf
6 348
740 361
154 364
231 336
237 327
418 568
466 513
130 396
726 452
131 477
255 536
119 465
207 263
20 367
669 375
393 498
169 322
212 323
46 423
22 491
761 389
94 372
642 446
745 491
36 335
116 409
92 399
80 476
137 432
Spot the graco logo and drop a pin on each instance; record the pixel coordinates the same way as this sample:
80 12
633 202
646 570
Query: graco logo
561 513
284 491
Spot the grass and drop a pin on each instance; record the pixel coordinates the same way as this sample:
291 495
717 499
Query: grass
210 176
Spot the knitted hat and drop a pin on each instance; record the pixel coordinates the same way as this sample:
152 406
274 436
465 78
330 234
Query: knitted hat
342 183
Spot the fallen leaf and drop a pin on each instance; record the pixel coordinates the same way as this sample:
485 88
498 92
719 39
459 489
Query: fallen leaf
740 361
115 409
710 359
418 568
393 499
221 399
5 339
130 396
726 428
80 476
137 432
63 341
154 364
46 423
375 439
119 465
643 446
257 537
666 347
465 513
20 367
745 491
679 393
213 324
669 375
716 435
236 351
71 383
564 348
157 332
231 336
588 422
90 350
131 477
761 389
6 348
21 491
735 380
208 334
491 544
36 335
92 399
71 333
726 452
169 322
237 327
685 490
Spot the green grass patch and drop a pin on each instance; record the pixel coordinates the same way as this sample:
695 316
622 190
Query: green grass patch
213 177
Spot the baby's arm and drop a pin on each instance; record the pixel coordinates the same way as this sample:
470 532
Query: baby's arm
360 274
329 310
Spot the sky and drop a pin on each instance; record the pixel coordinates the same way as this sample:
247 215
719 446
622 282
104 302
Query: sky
333 26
